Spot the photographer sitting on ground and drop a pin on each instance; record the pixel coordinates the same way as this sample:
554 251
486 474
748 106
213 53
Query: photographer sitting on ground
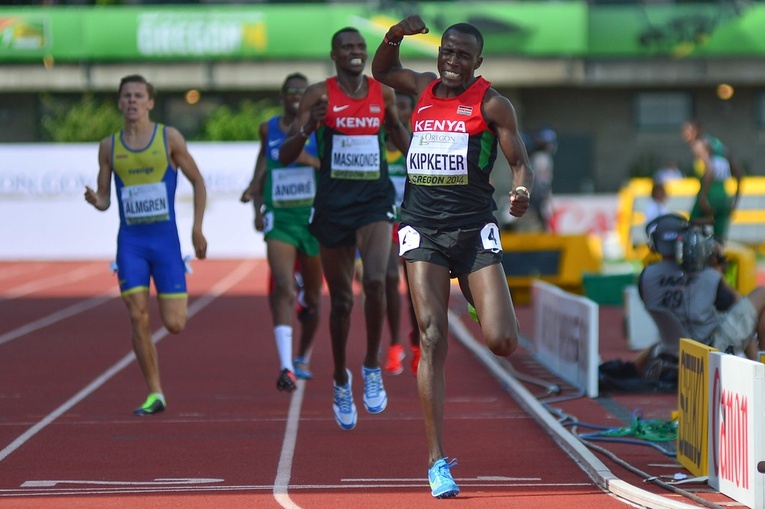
688 297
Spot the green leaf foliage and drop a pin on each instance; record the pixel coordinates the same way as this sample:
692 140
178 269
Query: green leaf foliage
85 121
242 124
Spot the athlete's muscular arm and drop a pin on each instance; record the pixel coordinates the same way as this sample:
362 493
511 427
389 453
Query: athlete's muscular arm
254 191
398 133
386 64
500 115
311 112
101 199
180 157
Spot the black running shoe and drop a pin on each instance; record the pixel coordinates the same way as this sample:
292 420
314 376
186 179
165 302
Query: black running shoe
286 381
154 404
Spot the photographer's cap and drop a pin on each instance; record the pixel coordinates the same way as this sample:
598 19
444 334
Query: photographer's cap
663 232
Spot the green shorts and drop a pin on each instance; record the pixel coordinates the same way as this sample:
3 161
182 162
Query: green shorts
721 202
287 229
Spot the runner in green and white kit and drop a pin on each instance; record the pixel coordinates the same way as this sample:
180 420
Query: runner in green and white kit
283 197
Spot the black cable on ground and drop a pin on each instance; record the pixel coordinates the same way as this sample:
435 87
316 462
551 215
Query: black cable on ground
631 441
647 477
570 420
551 389
554 389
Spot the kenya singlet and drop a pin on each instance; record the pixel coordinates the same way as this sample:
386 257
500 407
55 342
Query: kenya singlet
450 157
353 178
145 182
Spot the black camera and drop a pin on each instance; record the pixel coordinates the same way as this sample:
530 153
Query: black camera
696 248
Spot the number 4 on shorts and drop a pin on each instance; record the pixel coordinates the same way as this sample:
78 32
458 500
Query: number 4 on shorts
490 238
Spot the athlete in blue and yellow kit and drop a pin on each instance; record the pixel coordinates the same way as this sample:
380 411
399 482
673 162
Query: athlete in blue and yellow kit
353 206
283 197
448 229
144 158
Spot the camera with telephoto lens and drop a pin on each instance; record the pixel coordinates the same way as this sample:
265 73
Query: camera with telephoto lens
696 248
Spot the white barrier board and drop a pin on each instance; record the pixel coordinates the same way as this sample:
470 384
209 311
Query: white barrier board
43 213
736 424
641 329
566 332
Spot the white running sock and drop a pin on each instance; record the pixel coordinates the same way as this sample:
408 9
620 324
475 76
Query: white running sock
283 335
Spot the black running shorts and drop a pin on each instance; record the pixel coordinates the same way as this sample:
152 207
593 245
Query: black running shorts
461 250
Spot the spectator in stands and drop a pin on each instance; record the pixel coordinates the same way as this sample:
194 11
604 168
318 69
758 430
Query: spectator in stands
668 171
542 144
657 205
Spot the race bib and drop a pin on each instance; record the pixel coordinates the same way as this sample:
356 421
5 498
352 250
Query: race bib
720 168
355 157
438 159
145 203
490 238
292 187
408 239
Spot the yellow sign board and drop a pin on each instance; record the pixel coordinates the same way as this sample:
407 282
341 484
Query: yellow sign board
693 404
560 260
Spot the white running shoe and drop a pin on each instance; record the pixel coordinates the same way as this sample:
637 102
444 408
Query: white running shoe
375 397
343 406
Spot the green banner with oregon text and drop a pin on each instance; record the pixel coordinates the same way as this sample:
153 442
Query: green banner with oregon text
303 31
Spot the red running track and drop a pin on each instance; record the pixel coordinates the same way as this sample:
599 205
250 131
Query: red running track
68 385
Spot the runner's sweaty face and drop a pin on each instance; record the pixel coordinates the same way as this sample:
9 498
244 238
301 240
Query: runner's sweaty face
458 58
134 101
350 52
292 94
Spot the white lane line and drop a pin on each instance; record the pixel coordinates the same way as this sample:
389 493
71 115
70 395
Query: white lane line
155 482
586 459
221 287
62 314
481 478
284 470
263 487
10 269
52 281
